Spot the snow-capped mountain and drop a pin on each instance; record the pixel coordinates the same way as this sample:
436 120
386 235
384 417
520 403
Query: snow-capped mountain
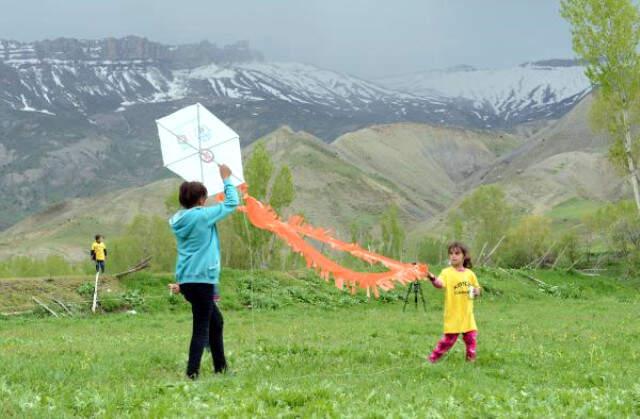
90 77
503 97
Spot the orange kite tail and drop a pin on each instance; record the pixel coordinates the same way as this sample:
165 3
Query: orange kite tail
293 232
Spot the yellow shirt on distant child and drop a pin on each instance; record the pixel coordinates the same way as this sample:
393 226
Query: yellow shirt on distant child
458 307
99 249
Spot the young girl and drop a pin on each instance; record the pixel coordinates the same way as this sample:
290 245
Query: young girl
198 266
460 287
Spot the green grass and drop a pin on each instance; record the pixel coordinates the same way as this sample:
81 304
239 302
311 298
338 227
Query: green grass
501 144
570 216
573 211
540 354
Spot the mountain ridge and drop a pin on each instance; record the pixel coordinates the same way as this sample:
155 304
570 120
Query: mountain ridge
505 97
77 116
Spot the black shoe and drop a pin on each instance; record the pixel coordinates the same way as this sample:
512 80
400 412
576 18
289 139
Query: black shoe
226 371
192 376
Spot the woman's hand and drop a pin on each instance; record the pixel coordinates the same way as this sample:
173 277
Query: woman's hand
225 172
174 288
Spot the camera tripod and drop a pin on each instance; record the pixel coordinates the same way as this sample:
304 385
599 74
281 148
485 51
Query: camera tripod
416 287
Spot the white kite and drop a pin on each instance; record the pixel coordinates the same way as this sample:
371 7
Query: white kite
194 142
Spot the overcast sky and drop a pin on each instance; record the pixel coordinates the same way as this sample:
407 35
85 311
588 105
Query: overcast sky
365 38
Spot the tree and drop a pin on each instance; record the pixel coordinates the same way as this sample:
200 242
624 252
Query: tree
528 242
617 225
282 191
606 35
392 232
261 246
432 250
483 217
281 196
258 171
360 232
172 201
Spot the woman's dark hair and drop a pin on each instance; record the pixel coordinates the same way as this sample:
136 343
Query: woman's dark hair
191 193
98 236
466 262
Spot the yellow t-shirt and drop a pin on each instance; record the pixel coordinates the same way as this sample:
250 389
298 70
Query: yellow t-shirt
99 249
458 307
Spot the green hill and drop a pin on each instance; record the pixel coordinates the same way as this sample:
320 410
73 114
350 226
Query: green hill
68 228
429 163
562 165
565 161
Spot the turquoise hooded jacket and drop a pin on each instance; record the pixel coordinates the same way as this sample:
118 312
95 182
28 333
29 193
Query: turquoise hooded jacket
197 237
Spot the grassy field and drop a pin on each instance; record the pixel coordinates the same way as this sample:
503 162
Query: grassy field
572 212
568 348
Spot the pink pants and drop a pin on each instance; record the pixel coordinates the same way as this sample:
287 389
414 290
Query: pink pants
449 339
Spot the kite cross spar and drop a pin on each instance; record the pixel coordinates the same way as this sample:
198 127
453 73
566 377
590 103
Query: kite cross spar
192 139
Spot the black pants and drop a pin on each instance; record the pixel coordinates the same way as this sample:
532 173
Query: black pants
207 327
100 266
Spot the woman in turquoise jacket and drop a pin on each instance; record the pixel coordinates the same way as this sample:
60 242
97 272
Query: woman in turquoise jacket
198 266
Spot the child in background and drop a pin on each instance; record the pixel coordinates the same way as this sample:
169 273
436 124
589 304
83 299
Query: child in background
99 253
460 287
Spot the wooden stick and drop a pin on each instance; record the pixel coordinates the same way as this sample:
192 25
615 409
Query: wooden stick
482 251
95 293
486 259
555 262
573 264
535 263
61 304
143 264
15 313
586 273
545 255
536 280
41 304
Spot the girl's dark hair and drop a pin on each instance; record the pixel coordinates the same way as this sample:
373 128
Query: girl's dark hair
191 193
98 236
466 262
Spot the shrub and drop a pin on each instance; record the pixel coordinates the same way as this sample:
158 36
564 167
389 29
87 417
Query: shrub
482 218
86 289
527 243
432 251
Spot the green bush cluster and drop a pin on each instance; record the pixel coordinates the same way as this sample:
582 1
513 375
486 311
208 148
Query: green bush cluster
489 225
53 265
